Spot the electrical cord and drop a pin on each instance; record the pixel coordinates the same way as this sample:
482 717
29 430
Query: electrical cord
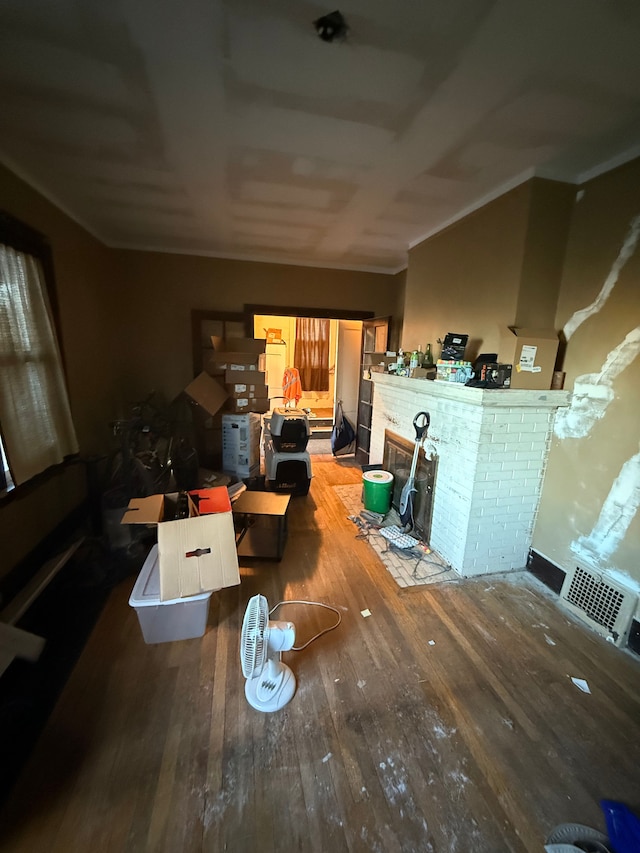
407 555
316 604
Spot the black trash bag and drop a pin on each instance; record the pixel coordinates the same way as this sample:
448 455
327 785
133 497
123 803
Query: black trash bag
343 435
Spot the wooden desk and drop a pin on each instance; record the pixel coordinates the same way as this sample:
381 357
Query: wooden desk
261 524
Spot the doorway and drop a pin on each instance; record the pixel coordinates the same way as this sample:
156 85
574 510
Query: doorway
347 357
343 359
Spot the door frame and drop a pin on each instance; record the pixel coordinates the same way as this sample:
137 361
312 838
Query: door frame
324 313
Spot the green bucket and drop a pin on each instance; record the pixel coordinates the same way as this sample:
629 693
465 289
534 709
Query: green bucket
378 488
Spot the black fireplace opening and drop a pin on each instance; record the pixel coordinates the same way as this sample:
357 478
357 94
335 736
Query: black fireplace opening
397 458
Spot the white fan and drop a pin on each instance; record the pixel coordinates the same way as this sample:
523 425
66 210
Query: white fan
270 683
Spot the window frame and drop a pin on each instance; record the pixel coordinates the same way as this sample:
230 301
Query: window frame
23 238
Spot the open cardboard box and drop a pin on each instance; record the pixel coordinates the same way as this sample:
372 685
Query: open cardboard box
207 392
196 554
532 354
256 346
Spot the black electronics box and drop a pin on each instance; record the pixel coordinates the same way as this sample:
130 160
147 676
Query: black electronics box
453 347
498 373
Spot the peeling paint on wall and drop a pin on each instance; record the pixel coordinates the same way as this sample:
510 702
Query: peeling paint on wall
616 515
592 392
627 250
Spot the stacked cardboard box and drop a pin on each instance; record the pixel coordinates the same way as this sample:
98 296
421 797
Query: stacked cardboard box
238 363
233 382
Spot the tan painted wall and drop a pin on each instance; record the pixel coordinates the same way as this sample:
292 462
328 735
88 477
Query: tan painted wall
83 278
466 278
592 487
499 266
162 289
549 218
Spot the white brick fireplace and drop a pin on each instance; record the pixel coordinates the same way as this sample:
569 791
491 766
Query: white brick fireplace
491 448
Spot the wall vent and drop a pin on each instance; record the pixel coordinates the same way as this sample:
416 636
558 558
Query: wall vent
605 606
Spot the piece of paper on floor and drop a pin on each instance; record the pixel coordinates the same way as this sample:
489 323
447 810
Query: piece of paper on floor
432 642
366 612
581 684
549 641
326 758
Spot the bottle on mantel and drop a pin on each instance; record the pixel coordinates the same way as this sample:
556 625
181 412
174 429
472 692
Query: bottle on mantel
416 357
428 357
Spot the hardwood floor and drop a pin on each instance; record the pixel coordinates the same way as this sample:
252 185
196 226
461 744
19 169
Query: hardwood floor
444 722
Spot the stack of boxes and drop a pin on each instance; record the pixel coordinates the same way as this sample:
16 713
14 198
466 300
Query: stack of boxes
238 364
231 394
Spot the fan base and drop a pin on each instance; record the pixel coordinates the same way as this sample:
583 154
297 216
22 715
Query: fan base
271 700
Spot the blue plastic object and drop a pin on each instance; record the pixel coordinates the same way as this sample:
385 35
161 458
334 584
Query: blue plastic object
623 827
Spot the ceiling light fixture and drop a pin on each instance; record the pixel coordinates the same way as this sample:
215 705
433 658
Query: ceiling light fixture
331 27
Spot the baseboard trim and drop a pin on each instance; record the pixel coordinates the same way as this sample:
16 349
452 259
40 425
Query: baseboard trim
633 641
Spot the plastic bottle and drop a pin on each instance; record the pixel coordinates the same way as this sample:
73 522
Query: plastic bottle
415 360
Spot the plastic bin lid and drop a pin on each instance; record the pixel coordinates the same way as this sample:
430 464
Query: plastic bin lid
146 590
378 476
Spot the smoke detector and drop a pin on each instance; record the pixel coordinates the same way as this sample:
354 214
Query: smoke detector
332 26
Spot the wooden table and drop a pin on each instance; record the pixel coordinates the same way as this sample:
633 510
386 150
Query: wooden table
261 524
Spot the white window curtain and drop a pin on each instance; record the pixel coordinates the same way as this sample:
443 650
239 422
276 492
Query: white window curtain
37 430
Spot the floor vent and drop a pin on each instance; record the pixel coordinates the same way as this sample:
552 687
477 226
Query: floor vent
605 606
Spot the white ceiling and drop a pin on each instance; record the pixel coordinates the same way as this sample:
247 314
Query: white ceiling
231 129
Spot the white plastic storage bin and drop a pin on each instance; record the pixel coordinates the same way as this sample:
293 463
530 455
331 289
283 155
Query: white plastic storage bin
165 621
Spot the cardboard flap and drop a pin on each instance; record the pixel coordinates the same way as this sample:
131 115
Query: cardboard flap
212 500
144 510
197 555
206 392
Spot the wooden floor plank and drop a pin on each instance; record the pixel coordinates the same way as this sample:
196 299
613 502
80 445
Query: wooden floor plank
445 722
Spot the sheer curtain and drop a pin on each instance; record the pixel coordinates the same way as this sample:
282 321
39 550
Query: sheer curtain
35 419
311 354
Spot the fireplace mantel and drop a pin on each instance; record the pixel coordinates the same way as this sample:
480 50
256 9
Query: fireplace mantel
491 447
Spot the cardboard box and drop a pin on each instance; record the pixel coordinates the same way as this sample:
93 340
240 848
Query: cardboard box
207 393
241 444
226 360
253 345
195 554
532 352
453 347
248 404
246 345
454 371
248 377
243 389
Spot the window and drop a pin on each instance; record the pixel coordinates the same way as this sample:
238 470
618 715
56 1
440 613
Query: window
36 430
